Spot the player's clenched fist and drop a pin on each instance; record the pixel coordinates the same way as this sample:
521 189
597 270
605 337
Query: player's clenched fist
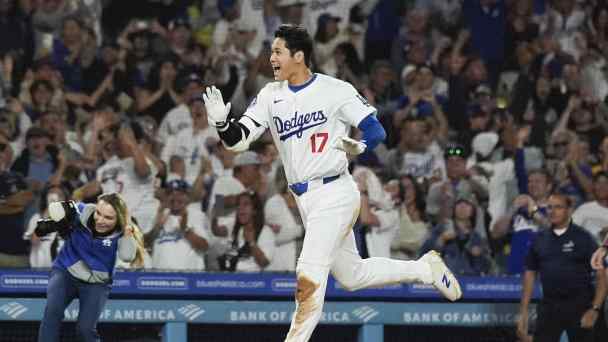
217 111
350 146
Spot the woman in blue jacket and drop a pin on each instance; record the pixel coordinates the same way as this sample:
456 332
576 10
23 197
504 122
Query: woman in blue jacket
95 235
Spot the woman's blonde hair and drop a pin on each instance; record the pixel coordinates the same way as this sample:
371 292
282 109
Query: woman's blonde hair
123 222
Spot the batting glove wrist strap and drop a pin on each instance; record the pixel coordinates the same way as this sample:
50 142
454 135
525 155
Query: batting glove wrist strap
221 126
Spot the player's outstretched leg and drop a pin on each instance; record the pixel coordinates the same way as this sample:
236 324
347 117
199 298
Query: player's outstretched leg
443 278
310 296
354 273
329 216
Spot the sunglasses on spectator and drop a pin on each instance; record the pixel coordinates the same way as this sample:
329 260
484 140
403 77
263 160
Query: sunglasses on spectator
455 152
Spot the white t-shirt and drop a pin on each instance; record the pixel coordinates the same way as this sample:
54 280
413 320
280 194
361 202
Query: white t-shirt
423 164
192 148
176 119
118 175
306 121
266 242
224 186
40 253
173 251
218 167
591 216
252 13
277 212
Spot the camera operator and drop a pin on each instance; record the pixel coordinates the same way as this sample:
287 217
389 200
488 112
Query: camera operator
95 235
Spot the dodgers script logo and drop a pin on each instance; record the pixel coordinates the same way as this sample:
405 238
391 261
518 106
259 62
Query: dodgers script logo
297 124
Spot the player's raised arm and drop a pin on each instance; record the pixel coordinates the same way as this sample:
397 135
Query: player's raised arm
236 135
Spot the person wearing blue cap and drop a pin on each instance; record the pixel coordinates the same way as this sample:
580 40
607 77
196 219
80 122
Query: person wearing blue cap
180 235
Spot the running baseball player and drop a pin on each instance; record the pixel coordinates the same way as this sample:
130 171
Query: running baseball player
309 116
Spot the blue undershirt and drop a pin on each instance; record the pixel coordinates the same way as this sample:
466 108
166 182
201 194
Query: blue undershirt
373 132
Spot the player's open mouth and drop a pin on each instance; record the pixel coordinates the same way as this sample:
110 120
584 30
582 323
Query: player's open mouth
276 69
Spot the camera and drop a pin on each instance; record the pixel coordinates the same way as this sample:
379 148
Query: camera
61 216
47 226
228 260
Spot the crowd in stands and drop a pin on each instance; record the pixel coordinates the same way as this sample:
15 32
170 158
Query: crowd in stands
489 106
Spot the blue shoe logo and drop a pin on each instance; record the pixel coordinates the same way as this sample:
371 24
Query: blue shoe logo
446 281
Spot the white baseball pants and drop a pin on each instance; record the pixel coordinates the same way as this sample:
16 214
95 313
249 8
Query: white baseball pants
329 212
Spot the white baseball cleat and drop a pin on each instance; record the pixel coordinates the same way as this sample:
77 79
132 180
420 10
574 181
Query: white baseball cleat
443 279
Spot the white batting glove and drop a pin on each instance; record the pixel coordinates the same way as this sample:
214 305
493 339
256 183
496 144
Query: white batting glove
217 111
350 146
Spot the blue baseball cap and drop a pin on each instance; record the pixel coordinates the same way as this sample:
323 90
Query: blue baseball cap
178 185
224 5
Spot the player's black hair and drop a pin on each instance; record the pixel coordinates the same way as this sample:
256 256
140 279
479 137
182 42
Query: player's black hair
296 39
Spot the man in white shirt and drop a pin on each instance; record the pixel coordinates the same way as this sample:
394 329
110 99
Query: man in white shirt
180 234
593 215
190 143
128 172
415 155
179 117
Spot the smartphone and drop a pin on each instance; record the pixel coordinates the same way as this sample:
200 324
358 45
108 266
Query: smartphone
141 25
47 41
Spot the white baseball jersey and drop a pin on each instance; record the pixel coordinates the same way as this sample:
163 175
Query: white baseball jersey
305 121
593 217
176 119
191 147
171 248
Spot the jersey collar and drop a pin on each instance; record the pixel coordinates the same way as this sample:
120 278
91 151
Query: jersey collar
297 88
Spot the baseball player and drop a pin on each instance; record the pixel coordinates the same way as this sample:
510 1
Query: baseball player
309 116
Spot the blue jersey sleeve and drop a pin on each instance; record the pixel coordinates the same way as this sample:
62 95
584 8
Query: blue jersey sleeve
373 132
